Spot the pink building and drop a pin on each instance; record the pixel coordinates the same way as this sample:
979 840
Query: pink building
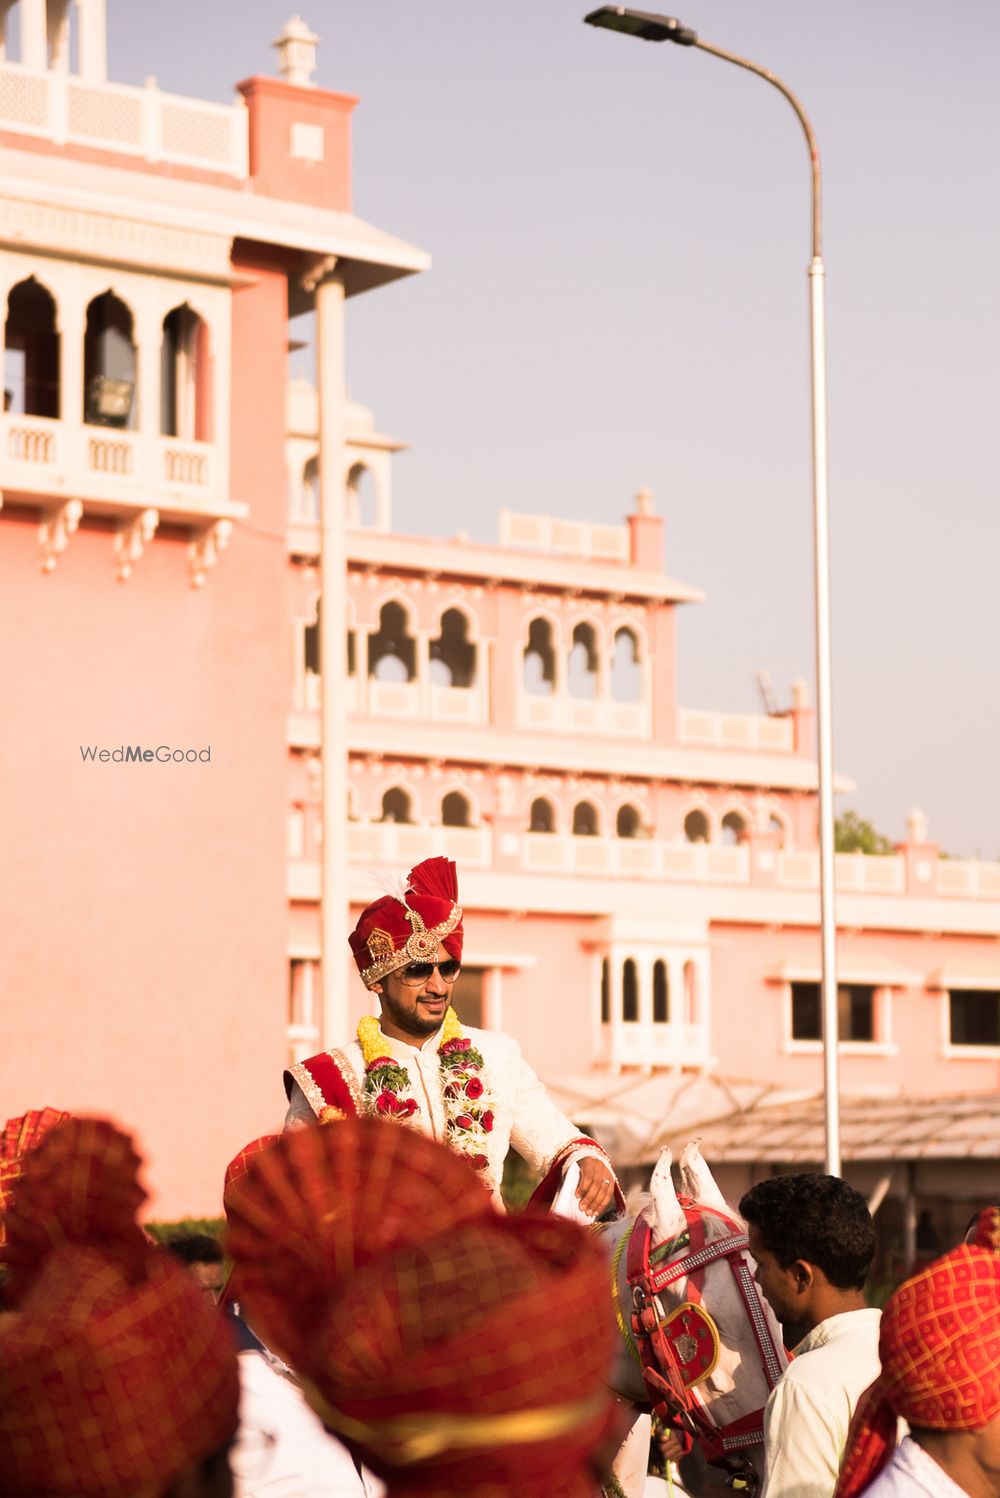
639 877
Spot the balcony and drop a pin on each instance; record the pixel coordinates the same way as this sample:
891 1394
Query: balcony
735 731
140 122
112 471
397 845
607 857
852 872
564 714
649 1045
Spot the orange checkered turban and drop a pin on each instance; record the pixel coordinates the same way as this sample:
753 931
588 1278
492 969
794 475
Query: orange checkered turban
940 1349
454 1348
116 1374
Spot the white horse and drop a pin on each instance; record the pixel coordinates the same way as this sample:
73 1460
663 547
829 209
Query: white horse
680 1258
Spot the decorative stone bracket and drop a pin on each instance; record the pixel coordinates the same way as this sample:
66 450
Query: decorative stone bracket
205 548
55 530
131 540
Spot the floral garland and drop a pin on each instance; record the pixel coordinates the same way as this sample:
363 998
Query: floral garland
468 1102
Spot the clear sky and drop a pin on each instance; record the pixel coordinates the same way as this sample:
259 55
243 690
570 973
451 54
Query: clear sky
618 300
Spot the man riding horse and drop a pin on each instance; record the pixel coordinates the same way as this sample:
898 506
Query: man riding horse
416 1064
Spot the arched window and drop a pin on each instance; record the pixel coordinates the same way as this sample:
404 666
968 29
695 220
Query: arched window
396 805
696 827
628 822
539 660
455 810
630 992
109 364
185 383
734 828
310 491
543 816
626 672
362 508
311 639
31 352
585 819
661 993
392 651
777 826
581 673
605 991
452 654
690 993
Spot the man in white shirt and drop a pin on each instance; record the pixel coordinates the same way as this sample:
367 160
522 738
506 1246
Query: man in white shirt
813 1239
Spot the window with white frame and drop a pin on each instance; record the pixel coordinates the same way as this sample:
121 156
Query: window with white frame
856 1012
974 1017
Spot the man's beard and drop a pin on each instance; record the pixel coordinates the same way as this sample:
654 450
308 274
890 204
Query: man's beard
412 1021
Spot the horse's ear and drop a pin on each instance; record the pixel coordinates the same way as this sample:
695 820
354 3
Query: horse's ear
666 1211
698 1181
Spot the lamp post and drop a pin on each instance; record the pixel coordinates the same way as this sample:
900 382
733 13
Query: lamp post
656 28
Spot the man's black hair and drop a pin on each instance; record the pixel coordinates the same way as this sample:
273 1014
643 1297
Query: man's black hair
195 1248
816 1218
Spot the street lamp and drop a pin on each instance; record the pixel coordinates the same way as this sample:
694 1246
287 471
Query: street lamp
650 27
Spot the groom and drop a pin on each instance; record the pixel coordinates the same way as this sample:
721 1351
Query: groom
471 1089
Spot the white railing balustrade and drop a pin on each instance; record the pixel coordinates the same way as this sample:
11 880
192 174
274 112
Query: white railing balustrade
188 464
32 439
735 731
135 121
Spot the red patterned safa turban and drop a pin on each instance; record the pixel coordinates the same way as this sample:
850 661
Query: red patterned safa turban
455 1349
116 1374
939 1345
392 933
18 1138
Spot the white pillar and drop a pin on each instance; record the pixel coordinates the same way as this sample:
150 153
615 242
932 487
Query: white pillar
92 39
332 400
492 998
34 37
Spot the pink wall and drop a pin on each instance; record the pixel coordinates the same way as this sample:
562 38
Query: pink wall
142 964
275 106
748 1011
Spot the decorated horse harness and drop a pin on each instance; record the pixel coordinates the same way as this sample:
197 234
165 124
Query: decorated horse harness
676 1352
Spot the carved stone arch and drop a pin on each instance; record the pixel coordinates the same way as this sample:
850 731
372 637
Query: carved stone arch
453 652
392 645
390 802
187 363
630 991
586 818
31 342
450 791
627 662
543 814
361 473
735 822
110 361
629 819
695 830
584 657
541 647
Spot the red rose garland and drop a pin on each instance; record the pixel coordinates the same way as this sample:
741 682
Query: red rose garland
468 1102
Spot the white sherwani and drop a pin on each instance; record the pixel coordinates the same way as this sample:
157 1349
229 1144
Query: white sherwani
524 1115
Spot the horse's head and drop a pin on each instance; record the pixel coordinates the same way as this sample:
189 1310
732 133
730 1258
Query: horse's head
708 1341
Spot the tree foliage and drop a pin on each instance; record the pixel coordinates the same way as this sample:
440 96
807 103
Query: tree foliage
855 834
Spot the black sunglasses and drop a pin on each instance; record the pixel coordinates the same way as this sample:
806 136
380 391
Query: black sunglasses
418 972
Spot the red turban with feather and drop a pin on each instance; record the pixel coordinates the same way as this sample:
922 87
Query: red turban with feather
391 932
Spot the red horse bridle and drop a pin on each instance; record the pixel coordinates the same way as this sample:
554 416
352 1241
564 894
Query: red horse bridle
674 1399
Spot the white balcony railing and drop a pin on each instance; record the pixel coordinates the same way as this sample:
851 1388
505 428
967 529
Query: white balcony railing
563 714
648 1045
111 470
403 843
852 871
575 538
132 121
605 857
735 731
957 877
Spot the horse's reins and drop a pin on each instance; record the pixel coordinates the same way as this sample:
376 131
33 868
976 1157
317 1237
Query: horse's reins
649 1271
